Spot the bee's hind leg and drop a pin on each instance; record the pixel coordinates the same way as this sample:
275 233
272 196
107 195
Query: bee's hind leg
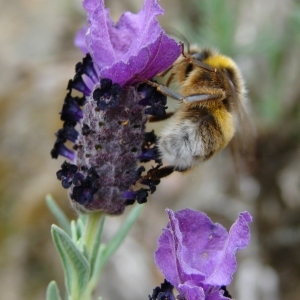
157 173
204 97
153 119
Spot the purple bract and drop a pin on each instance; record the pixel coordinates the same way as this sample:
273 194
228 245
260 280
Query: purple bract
134 48
197 256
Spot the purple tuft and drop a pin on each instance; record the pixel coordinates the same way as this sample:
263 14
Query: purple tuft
135 47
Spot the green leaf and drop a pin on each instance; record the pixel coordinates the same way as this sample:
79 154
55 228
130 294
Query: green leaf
76 266
74 232
58 214
80 225
52 291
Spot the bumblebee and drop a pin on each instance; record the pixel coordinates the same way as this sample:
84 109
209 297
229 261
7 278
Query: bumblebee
212 95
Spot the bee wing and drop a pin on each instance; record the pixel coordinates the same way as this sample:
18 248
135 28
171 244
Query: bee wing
243 145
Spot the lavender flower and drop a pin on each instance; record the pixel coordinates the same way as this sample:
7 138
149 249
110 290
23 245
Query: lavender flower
197 256
107 124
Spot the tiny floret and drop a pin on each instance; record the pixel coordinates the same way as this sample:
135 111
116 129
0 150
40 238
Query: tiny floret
164 292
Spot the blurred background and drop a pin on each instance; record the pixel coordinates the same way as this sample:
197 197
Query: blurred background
37 59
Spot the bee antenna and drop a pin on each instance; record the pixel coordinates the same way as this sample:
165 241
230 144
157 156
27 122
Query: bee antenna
177 34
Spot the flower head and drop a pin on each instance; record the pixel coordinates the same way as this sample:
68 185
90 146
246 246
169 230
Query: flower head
107 124
197 256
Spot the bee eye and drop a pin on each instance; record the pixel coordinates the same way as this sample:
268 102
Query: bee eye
226 104
204 54
188 69
198 56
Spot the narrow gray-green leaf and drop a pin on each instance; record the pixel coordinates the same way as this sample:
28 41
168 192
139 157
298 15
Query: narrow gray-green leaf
80 225
76 266
61 218
74 233
52 291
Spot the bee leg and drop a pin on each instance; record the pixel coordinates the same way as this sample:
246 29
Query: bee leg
153 119
196 62
157 173
170 79
218 95
165 90
203 97
163 73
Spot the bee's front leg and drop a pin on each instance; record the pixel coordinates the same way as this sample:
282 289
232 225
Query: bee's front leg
165 90
216 96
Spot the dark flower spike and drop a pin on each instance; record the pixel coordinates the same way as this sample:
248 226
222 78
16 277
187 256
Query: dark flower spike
108 148
151 97
60 149
226 293
78 84
85 188
150 154
140 196
66 174
107 95
197 256
164 292
67 133
87 68
71 111
107 125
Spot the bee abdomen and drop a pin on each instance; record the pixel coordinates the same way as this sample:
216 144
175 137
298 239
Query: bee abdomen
187 143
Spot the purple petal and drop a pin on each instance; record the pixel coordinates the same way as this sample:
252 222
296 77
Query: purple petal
79 40
216 295
194 249
191 292
136 47
239 238
98 36
173 246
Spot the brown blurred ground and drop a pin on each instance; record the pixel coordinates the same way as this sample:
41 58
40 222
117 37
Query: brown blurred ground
37 58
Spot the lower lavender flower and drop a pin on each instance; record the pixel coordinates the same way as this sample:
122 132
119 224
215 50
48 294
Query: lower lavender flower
197 256
107 124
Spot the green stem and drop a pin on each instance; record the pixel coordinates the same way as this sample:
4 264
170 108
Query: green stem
93 230
92 240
